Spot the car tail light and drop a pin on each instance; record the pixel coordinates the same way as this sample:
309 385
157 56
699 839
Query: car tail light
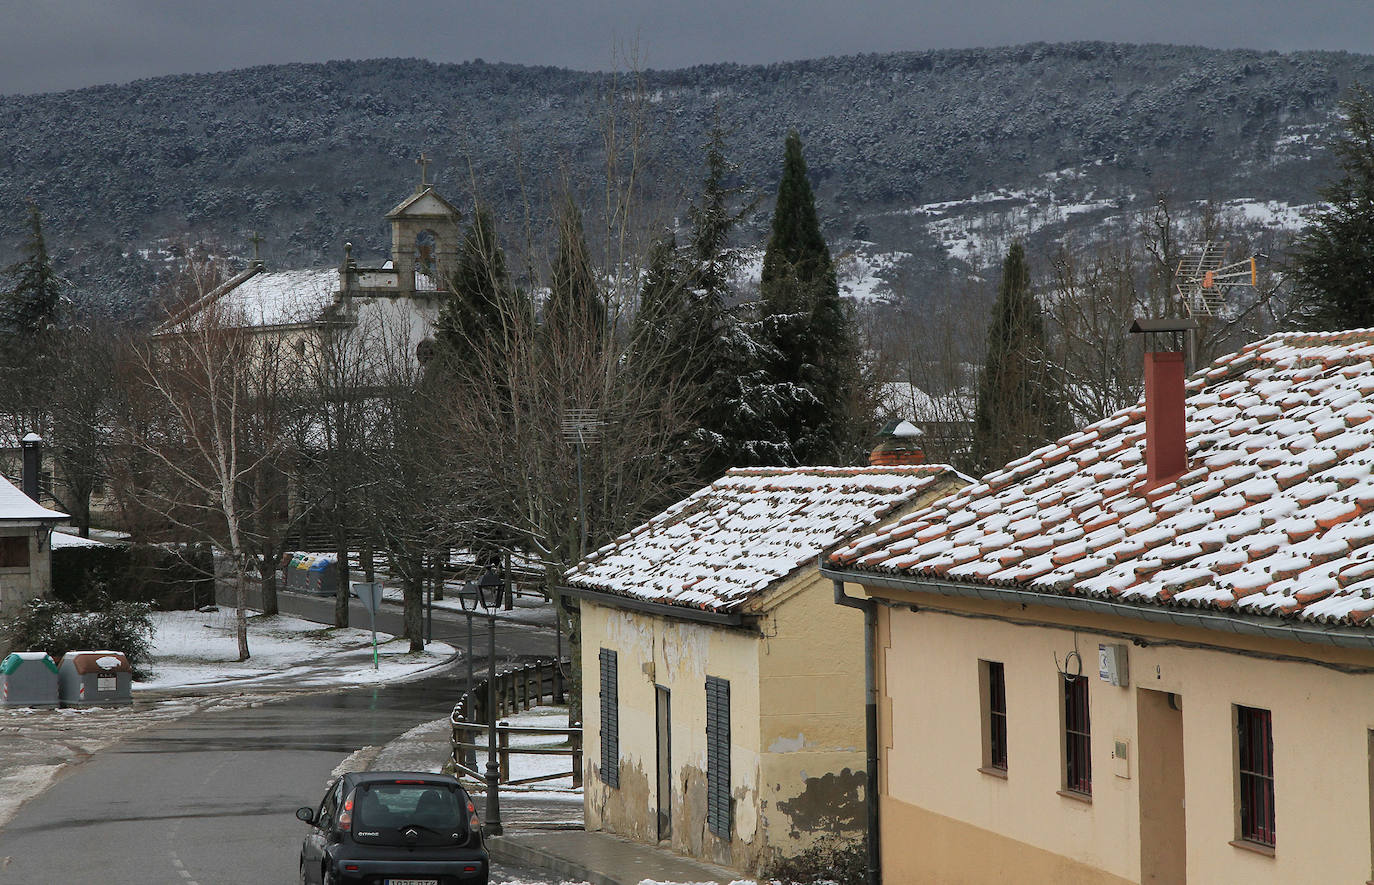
409 782
474 823
351 867
346 816
469 869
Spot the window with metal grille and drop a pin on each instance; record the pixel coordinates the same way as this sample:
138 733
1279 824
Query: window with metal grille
1255 767
1078 761
718 756
610 720
994 715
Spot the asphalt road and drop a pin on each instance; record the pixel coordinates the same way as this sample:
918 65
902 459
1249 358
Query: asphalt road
211 798
513 639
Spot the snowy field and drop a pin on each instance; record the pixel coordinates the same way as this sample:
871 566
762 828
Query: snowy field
198 648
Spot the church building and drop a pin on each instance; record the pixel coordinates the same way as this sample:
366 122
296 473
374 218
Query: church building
400 296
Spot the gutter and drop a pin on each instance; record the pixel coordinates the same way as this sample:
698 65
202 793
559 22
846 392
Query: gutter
870 609
682 612
1239 624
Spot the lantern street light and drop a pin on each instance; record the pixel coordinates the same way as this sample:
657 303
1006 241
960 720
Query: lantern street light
490 589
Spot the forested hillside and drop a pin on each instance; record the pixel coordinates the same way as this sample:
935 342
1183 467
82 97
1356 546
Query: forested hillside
312 155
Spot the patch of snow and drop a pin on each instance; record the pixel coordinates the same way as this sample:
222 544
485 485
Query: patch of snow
200 648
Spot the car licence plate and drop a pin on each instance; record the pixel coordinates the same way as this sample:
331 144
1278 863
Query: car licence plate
411 882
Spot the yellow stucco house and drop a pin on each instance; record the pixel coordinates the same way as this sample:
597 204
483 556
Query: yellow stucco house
722 688
1145 653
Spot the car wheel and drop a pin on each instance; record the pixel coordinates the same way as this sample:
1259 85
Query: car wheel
303 879
327 878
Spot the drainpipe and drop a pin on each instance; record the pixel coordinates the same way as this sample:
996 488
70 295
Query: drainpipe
870 610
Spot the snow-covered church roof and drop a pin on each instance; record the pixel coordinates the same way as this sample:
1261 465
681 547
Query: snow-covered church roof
750 530
276 298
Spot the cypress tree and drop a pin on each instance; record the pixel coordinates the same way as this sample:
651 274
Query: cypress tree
1333 258
575 305
805 322
31 305
480 290
1019 403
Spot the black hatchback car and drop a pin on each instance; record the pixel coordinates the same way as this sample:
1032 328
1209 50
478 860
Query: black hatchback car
393 828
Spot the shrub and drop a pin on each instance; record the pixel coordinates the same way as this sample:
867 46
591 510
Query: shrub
834 860
169 577
53 626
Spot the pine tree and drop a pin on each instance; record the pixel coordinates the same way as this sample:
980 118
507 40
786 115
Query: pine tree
1019 407
32 303
806 323
480 290
1333 258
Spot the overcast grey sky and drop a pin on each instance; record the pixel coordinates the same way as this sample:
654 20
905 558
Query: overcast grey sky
50 45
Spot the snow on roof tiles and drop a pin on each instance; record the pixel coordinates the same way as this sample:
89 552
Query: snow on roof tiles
749 530
282 297
1275 515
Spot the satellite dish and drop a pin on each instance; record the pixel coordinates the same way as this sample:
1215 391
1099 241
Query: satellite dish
1203 278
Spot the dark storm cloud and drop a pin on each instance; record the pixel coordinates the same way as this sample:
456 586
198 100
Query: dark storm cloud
61 44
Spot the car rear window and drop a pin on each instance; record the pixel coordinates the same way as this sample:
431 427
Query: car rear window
386 812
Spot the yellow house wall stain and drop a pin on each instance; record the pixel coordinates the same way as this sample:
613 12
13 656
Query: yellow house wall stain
1321 725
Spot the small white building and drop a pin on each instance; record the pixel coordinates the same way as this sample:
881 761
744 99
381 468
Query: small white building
25 548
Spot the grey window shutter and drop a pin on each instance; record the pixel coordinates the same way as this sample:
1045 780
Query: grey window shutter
718 756
610 720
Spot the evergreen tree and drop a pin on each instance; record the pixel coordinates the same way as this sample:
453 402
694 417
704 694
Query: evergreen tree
575 306
1333 258
1019 407
31 305
805 322
480 290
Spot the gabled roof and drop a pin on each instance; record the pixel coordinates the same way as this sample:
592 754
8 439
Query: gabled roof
409 206
275 298
1274 517
17 506
261 298
749 531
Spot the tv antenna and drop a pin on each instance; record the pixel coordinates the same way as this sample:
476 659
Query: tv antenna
1203 278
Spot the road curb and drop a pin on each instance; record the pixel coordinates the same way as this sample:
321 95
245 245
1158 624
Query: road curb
503 850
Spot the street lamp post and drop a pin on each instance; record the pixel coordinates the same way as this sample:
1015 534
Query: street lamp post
489 590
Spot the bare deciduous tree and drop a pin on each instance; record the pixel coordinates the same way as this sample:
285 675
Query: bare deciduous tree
199 393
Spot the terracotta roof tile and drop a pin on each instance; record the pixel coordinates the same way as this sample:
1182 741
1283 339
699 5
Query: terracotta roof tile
754 527
1275 515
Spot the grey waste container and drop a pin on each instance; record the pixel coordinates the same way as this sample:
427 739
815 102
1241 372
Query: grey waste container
95 679
28 679
316 573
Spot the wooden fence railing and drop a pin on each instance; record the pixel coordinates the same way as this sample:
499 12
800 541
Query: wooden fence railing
517 688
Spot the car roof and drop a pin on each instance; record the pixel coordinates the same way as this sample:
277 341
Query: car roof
371 777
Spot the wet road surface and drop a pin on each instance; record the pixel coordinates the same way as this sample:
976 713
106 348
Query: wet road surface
209 799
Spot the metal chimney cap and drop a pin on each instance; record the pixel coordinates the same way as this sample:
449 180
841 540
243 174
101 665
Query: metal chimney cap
31 438
1165 324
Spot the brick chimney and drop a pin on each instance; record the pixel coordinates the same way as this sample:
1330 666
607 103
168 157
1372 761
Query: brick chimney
32 447
1166 426
899 446
1166 431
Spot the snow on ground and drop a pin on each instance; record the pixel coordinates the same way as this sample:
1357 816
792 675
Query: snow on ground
860 271
199 648
1269 213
